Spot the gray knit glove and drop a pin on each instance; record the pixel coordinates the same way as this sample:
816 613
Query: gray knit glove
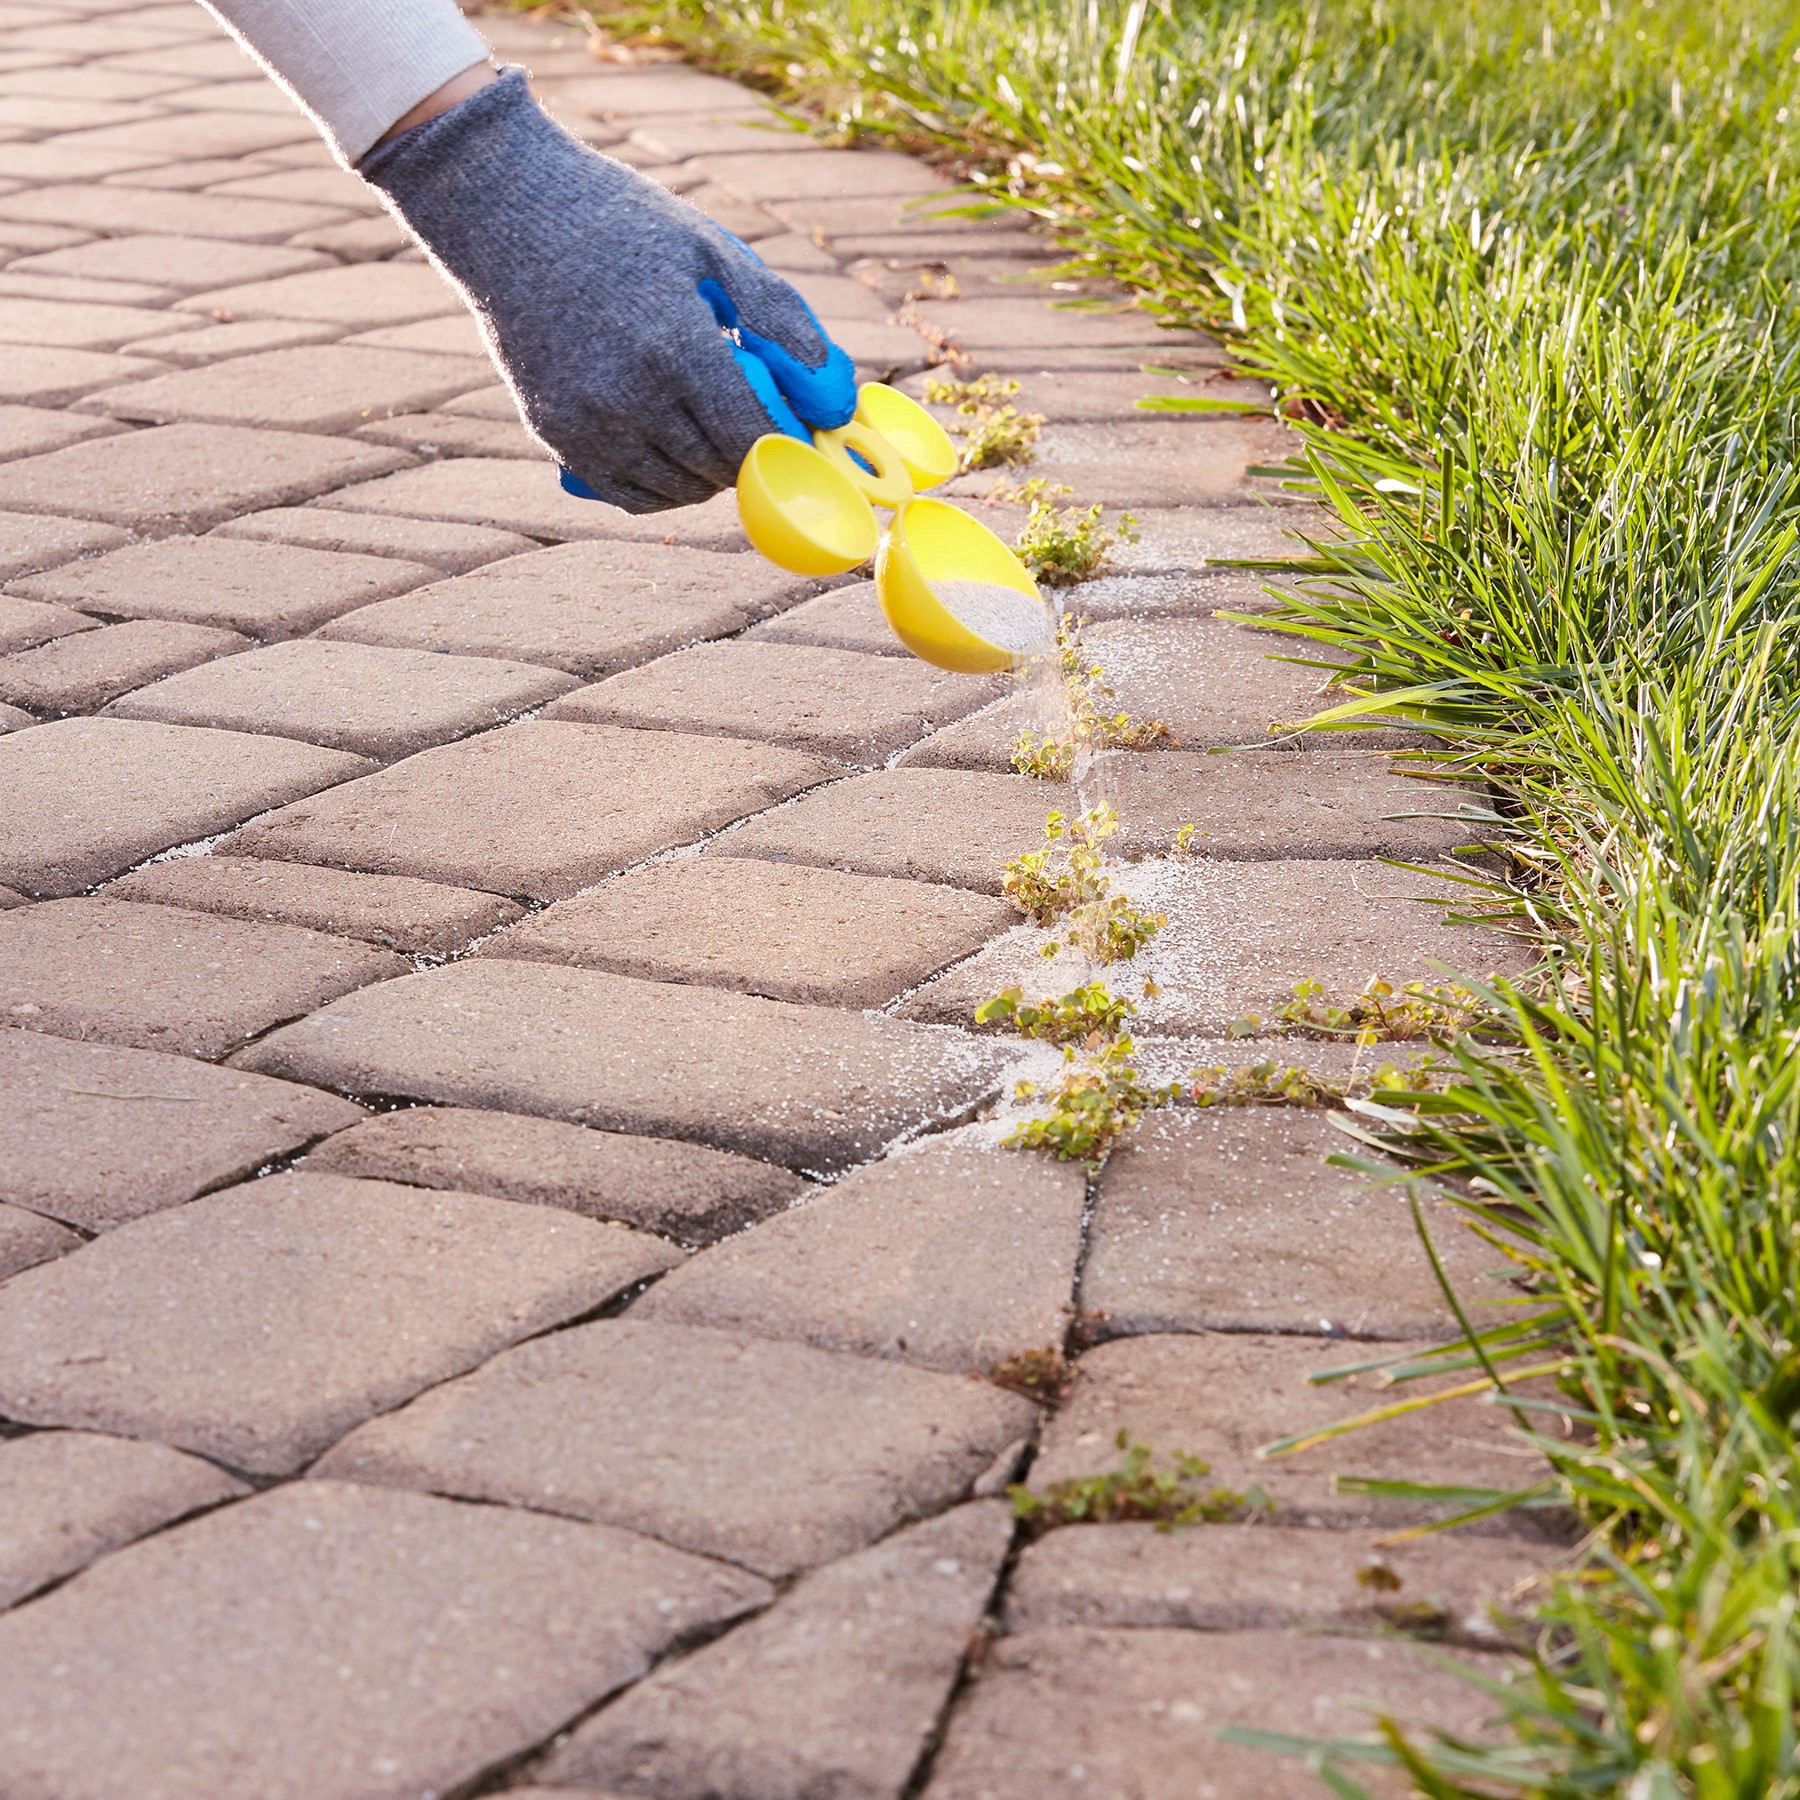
647 348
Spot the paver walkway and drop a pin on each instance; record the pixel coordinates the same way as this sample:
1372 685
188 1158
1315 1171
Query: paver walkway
506 1280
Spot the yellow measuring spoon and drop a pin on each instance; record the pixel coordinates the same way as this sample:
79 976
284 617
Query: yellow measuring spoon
956 595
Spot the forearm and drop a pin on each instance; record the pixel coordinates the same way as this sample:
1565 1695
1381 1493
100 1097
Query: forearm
357 66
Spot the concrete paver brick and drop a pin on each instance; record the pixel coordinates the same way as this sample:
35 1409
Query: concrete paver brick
308 387
956 1256
835 1690
321 187
1188 537
185 477
185 264
46 376
1044 1720
24 623
439 1640
98 1135
159 978
19 239
266 590
29 543
81 673
765 175
1231 1220
28 1238
772 1455
126 212
792 253
182 134
362 240
363 298
633 93
219 343
784 931
1241 935
681 1191
13 718
848 618
455 549
374 702
89 82
27 430
673 138
817 1090
78 290
840 703
1025 323
524 497
947 825
25 165
63 324
82 799
539 809
71 1496
872 217
448 334
591 608
1222 1396
186 176
195 1327
433 434
417 918
1269 1578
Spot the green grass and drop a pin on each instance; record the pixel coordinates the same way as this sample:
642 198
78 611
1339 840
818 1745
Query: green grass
1524 273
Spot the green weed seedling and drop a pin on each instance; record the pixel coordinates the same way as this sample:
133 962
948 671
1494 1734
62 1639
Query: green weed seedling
1066 872
1062 545
1095 720
1042 1375
1087 1014
1382 1011
1099 1095
1171 1497
997 435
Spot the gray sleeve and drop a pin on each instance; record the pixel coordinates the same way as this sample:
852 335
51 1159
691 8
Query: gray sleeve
355 65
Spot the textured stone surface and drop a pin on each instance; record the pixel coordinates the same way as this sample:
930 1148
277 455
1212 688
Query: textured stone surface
28 544
49 377
185 477
681 1191
360 299
82 799
1224 1396
157 978
316 387
542 808
28 1238
847 619
955 1255
259 1324
834 1691
119 211
1047 1719
417 918
453 548
799 1085
860 709
75 325
265 590
220 343
781 930
775 1456
437 1640
1268 1578
374 702
70 1496
1231 1220
1242 935
921 824
82 672
524 497
591 609
25 623
28 430
1190 537
97 1135
181 263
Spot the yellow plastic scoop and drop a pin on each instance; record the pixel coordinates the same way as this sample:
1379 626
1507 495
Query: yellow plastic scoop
953 593
956 595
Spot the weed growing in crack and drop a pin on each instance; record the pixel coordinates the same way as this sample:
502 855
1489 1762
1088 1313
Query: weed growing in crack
1059 544
1093 718
1066 881
997 435
1138 1490
1078 1016
1382 1012
1042 1375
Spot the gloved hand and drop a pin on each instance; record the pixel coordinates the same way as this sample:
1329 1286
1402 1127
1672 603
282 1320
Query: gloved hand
606 300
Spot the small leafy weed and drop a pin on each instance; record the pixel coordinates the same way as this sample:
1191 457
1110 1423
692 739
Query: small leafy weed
1382 1011
1172 1497
1099 1095
1059 544
1095 721
997 435
1041 1375
1089 1012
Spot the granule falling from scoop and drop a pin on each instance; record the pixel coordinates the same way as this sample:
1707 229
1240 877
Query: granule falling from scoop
1017 622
